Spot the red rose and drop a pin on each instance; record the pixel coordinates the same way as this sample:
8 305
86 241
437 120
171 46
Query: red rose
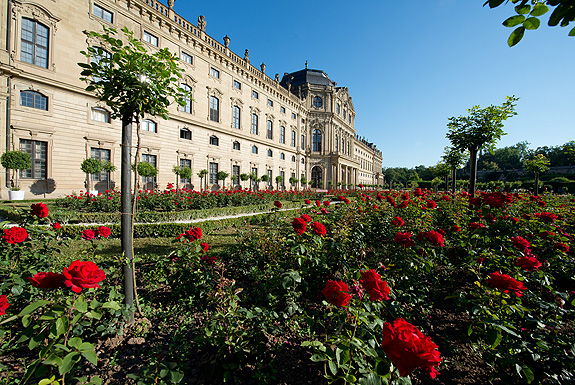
376 288
193 234
47 280
561 247
82 275
326 203
346 201
397 221
475 201
404 238
306 218
299 225
317 203
15 235
390 200
547 217
455 228
403 204
337 293
506 283
278 204
431 204
409 349
521 244
319 229
56 226
88 234
307 202
205 247
3 304
528 262
104 231
208 260
474 226
417 192
433 237
40 210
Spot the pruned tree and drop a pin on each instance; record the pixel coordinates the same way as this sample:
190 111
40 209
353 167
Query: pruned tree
244 177
529 11
454 158
222 175
202 174
481 129
537 164
133 83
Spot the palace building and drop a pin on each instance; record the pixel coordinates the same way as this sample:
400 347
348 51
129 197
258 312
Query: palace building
241 120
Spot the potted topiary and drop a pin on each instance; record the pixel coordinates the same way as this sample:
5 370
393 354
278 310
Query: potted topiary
91 166
147 170
244 177
15 160
222 175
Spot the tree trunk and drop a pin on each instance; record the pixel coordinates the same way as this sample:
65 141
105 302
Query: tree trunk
126 208
472 171
453 178
536 187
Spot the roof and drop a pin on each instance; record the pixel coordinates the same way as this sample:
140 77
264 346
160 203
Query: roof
298 78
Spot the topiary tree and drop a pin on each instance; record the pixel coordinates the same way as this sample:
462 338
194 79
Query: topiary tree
265 178
147 170
109 168
244 177
537 164
183 173
202 174
279 179
132 83
91 166
480 130
222 175
454 158
254 180
303 181
14 161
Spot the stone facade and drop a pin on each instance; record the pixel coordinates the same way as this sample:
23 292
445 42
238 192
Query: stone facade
240 121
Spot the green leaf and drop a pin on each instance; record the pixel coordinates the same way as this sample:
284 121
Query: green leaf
332 367
493 3
112 305
33 306
528 373
68 362
53 360
532 23
75 342
61 325
81 305
523 9
539 9
91 356
572 33
514 20
516 36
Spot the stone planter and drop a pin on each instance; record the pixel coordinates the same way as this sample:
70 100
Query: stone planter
94 192
17 195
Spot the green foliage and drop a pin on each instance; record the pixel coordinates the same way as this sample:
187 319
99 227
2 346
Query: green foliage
108 166
15 160
147 170
128 78
537 164
183 172
92 166
529 11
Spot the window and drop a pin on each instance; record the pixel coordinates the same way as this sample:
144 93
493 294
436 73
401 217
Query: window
33 99
283 110
214 140
214 109
347 148
235 174
149 181
270 153
236 117
213 173
236 145
282 156
98 57
344 114
317 102
270 180
237 85
282 134
336 143
293 138
292 115
303 142
214 72
103 155
100 115
349 118
149 125
317 140
254 124
283 175
185 134
270 103
188 107
38 152
187 58
254 172
185 163
254 150
293 158
34 41
149 38
103 13
337 108
302 161
255 95
270 130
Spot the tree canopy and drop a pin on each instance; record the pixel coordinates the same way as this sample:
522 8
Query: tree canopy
528 13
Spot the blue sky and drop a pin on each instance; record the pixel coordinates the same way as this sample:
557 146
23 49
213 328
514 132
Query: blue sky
410 65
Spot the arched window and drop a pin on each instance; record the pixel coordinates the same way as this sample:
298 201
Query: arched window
282 156
293 158
254 149
254 124
214 109
214 140
270 130
34 43
317 140
282 134
187 99
33 99
270 153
